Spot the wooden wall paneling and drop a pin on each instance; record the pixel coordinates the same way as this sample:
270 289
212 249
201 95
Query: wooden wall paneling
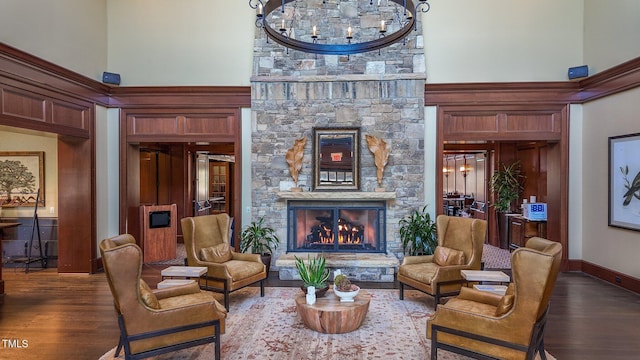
77 249
164 180
148 178
138 124
543 181
69 115
23 105
529 157
179 184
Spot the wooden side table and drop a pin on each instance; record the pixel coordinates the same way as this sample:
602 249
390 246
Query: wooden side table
186 272
330 316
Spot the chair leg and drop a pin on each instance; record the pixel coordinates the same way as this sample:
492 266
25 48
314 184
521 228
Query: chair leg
217 345
226 296
117 353
401 291
261 288
434 344
543 354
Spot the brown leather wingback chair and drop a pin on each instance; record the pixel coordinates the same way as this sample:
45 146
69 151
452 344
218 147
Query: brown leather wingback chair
477 323
206 241
156 321
460 243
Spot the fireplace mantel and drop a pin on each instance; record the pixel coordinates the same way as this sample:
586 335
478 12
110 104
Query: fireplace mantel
336 195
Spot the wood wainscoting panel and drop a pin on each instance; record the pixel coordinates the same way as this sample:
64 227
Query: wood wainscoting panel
23 105
209 124
70 115
532 123
457 124
153 124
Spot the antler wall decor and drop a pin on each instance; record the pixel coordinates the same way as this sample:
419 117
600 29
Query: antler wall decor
294 158
380 150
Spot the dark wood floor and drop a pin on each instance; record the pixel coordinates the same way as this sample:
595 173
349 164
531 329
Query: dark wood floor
72 317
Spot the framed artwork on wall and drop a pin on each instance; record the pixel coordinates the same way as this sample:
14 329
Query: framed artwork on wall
21 176
624 181
336 159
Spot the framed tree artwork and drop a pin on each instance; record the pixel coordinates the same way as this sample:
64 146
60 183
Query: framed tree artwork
21 177
624 181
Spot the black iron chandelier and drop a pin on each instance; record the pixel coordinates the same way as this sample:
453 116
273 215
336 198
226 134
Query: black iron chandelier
270 16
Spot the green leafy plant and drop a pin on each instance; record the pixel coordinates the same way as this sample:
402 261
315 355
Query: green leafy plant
313 272
418 233
633 188
507 184
261 239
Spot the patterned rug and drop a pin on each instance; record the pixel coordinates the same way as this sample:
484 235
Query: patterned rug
270 328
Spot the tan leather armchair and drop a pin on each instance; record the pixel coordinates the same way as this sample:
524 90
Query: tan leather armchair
460 243
478 323
156 321
206 241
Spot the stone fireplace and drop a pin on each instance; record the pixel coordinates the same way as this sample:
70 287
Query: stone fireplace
381 93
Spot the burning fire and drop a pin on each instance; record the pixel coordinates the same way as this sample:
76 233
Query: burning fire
347 233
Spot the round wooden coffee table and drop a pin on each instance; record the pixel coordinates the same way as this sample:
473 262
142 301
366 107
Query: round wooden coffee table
330 316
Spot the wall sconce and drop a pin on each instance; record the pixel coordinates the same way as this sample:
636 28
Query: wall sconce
464 169
446 171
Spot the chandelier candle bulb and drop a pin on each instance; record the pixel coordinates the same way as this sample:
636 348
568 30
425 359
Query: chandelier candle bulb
383 26
349 32
282 27
315 31
260 10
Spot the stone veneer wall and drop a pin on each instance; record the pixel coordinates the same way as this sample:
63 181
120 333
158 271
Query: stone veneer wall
380 92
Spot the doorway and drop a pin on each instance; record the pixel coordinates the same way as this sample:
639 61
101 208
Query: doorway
537 133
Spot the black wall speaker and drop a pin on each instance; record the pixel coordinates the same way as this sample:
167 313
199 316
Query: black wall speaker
578 72
110 78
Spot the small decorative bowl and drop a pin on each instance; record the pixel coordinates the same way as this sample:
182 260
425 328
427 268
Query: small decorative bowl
347 296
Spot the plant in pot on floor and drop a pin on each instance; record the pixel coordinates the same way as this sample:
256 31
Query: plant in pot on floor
313 273
506 184
259 239
418 233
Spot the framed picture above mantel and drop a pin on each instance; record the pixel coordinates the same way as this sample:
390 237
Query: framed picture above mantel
21 175
336 159
624 181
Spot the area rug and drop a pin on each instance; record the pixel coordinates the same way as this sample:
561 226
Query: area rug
270 328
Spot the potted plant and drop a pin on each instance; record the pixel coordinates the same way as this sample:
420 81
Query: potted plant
313 273
261 239
418 233
506 184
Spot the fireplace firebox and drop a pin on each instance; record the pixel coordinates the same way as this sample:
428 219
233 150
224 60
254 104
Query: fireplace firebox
336 226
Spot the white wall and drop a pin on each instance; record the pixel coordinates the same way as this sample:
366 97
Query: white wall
610 37
169 42
107 173
502 40
69 33
613 248
611 33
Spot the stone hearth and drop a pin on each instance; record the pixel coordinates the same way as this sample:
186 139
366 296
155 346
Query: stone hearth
358 267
